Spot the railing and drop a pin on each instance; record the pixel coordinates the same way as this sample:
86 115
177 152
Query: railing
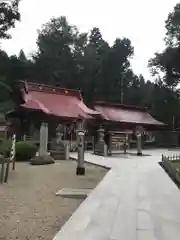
6 161
174 157
171 165
30 138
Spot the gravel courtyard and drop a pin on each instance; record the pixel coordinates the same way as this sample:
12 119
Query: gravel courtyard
29 208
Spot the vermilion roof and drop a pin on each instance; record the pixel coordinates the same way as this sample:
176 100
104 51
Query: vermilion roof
55 101
125 114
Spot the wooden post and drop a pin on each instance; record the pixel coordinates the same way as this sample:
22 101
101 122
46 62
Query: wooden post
71 134
125 144
2 170
10 159
14 163
110 144
7 170
13 152
64 132
122 90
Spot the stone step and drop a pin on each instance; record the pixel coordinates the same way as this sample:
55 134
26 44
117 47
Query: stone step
57 154
73 193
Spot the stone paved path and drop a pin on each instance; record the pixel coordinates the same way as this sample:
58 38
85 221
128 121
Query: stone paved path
136 200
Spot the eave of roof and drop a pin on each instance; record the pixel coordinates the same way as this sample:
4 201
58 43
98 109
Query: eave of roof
119 105
126 114
59 102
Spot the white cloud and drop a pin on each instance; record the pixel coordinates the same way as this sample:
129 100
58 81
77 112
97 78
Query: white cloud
142 21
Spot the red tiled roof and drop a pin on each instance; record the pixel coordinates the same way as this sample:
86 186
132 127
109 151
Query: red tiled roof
56 101
125 114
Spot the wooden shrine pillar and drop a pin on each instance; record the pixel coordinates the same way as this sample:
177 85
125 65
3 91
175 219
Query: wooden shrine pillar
110 145
125 145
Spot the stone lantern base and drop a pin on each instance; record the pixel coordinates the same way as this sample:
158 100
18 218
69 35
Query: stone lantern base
80 171
42 160
139 154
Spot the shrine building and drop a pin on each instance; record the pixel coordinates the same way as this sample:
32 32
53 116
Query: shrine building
106 125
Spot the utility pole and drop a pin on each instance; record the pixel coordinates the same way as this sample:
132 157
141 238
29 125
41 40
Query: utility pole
122 92
173 123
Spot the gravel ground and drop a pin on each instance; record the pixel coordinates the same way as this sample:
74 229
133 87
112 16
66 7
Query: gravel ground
29 208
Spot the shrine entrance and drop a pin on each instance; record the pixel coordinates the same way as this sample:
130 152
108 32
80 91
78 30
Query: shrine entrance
117 119
119 142
113 142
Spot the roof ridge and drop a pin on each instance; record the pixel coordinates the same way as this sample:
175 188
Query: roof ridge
125 106
33 86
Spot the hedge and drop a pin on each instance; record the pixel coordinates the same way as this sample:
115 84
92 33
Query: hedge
25 151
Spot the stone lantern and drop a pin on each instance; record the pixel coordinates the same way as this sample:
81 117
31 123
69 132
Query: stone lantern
139 131
80 140
101 133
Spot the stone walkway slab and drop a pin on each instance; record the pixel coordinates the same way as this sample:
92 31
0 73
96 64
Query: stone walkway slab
73 193
136 200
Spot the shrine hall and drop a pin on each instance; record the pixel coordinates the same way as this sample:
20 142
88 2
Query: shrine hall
107 127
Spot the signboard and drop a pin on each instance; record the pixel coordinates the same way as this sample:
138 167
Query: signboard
118 141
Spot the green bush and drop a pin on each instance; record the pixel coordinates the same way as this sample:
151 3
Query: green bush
25 151
1 140
5 147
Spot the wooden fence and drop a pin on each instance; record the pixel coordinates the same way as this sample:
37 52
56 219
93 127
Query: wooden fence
5 169
173 157
169 164
5 162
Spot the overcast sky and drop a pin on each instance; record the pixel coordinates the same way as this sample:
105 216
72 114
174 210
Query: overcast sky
140 20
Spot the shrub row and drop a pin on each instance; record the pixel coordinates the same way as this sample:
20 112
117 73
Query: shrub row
24 150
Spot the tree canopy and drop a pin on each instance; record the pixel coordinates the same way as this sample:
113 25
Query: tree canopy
86 61
9 14
167 62
166 66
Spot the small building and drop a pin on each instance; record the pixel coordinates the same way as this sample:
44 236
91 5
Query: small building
54 105
121 123
126 116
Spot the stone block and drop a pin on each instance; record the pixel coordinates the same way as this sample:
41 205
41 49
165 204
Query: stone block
42 160
73 193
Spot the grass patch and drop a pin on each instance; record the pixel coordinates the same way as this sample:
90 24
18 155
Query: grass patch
172 168
175 165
